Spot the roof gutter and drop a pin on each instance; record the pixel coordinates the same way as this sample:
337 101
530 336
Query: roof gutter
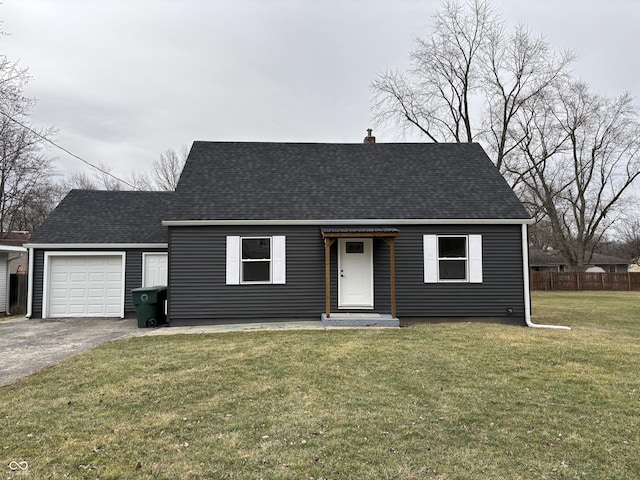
63 246
353 221
527 291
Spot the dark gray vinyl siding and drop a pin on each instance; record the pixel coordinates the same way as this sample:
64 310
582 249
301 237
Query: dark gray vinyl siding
502 282
197 276
133 276
37 273
198 292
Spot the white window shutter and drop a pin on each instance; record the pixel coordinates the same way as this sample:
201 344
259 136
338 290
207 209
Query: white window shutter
430 245
279 259
475 258
233 260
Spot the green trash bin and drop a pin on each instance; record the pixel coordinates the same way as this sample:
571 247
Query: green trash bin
149 305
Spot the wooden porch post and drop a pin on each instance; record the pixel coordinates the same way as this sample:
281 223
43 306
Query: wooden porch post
327 274
392 274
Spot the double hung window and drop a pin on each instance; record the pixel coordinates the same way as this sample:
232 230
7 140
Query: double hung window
452 258
254 260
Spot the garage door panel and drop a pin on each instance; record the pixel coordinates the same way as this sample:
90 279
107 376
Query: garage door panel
114 277
85 285
79 277
96 310
74 309
112 311
113 293
59 277
97 277
59 293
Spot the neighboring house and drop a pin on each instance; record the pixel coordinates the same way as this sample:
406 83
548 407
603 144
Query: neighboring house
552 261
18 259
302 230
7 254
93 249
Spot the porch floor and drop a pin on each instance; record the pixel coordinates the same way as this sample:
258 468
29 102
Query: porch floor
359 320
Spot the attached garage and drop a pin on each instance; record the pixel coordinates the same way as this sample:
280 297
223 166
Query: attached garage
84 284
93 249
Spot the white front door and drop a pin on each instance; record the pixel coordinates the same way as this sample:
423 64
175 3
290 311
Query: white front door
355 273
154 269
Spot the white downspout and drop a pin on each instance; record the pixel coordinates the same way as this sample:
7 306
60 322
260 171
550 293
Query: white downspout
30 285
527 291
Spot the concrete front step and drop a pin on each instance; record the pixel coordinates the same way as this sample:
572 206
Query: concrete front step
359 320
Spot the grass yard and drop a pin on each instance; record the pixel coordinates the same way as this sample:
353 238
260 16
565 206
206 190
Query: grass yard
433 401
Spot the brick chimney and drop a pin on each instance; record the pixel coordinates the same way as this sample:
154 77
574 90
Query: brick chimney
369 138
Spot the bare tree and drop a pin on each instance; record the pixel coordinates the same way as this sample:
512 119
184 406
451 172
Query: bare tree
165 172
27 192
581 154
102 179
520 68
569 154
629 238
435 95
468 62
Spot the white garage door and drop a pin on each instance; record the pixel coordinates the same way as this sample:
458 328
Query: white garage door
85 286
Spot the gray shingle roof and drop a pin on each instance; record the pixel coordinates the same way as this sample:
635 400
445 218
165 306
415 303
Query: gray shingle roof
94 216
306 181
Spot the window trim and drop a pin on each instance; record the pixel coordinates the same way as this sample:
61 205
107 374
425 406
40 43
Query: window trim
256 260
431 258
449 259
278 267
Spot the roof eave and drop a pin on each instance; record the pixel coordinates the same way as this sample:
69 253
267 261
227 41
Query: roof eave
100 246
353 221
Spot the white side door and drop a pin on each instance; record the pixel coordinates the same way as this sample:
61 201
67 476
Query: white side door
355 273
154 270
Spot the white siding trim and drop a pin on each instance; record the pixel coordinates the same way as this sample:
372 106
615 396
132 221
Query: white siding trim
354 221
430 249
61 246
475 258
30 286
233 260
4 282
278 257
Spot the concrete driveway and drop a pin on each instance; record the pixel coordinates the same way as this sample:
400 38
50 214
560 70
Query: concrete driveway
27 346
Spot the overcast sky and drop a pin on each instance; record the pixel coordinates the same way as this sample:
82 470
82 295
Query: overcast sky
123 80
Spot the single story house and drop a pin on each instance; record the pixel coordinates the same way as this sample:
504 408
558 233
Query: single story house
298 230
551 260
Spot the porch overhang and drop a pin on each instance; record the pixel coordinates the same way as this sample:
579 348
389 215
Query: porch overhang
330 235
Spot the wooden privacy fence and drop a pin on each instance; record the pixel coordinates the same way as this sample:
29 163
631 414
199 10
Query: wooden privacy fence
585 281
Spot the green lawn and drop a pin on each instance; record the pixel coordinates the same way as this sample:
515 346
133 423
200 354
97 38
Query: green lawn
433 401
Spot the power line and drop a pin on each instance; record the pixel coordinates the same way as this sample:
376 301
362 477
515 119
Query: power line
67 151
